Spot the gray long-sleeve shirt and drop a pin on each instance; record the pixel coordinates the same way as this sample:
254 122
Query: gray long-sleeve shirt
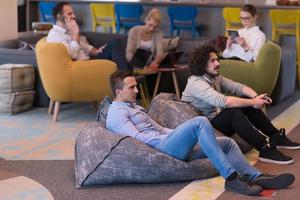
206 94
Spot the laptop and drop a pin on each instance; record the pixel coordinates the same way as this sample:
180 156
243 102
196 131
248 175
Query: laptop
170 59
140 58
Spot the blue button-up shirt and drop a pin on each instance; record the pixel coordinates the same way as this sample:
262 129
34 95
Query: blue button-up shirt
132 120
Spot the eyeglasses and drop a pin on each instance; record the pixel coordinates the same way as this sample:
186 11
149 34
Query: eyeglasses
245 18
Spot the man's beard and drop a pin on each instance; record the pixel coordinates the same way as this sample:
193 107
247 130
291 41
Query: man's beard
212 75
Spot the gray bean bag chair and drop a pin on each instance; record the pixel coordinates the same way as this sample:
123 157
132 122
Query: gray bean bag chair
105 158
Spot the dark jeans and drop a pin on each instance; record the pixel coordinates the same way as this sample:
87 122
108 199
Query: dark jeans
245 122
116 53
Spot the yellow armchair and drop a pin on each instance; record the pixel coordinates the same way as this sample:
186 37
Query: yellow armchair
65 80
260 75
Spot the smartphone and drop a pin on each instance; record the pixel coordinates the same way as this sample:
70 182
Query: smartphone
61 18
233 34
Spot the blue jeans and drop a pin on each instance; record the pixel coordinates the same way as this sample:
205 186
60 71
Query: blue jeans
223 152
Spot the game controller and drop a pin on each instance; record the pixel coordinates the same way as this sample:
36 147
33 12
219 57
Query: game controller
267 98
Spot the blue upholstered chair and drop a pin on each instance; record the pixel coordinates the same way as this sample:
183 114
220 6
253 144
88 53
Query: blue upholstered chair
128 16
183 17
45 9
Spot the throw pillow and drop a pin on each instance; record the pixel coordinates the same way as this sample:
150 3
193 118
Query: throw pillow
102 110
170 44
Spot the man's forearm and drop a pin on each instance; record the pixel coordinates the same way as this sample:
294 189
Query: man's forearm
249 92
75 37
232 102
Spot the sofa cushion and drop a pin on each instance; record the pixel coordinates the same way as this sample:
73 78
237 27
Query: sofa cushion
102 157
16 77
16 102
102 110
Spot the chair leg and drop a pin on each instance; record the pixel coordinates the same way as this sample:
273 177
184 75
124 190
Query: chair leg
144 92
147 93
176 84
56 111
143 96
50 107
157 84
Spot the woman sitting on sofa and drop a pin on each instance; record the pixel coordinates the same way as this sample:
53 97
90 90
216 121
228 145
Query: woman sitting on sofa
250 39
147 37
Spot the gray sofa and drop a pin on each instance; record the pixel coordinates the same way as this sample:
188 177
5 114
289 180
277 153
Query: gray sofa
286 81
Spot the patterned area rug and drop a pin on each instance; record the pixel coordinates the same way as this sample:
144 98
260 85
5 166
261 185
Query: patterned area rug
33 136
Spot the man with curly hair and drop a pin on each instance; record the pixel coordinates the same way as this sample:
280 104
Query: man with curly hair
239 112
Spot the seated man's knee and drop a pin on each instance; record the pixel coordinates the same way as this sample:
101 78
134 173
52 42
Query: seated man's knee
200 121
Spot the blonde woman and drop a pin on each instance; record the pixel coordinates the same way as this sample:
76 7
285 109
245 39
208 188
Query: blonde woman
148 37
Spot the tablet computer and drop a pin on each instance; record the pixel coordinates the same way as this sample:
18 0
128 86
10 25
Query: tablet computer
233 33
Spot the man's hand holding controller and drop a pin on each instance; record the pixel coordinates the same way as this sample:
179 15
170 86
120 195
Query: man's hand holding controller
265 98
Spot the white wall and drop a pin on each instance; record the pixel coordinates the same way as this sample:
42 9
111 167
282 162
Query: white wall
8 19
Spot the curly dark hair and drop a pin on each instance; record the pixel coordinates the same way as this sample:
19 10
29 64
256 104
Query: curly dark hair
199 58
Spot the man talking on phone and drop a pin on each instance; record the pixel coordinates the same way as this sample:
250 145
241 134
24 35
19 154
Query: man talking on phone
66 31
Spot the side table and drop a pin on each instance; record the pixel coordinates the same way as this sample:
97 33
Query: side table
174 77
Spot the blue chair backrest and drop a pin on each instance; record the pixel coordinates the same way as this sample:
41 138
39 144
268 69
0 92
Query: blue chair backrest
128 11
182 13
46 11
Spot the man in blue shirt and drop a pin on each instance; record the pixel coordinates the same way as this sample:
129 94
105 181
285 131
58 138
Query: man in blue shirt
126 118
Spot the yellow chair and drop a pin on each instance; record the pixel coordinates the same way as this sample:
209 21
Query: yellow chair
103 15
65 80
283 23
232 18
